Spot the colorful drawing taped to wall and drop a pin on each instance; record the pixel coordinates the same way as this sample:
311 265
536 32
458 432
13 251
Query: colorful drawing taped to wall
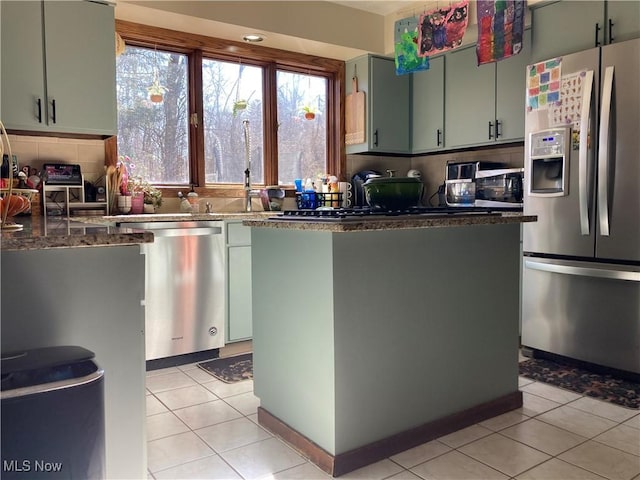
568 108
543 84
406 47
500 29
442 29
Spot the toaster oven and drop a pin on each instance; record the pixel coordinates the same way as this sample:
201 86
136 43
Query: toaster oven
483 184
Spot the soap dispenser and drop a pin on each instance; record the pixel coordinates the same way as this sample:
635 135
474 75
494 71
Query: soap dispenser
185 206
192 198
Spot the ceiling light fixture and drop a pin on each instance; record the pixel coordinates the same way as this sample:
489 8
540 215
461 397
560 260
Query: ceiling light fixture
253 38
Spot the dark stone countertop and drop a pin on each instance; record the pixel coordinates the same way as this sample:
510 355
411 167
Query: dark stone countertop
358 224
40 233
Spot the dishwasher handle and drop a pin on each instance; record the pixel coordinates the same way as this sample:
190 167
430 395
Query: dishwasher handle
187 232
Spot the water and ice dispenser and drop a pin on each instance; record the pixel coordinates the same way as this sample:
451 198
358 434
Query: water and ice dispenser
550 153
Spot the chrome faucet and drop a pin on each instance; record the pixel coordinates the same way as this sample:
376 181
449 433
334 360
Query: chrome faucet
247 190
247 171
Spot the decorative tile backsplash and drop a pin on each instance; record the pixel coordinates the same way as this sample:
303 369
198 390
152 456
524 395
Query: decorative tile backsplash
36 151
432 167
89 154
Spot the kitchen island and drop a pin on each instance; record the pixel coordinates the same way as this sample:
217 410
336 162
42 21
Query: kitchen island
70 283
377 335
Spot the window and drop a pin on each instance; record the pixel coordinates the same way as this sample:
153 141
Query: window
232 98
302 141
214 100
154 134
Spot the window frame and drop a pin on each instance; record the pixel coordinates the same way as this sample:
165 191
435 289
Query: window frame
197 47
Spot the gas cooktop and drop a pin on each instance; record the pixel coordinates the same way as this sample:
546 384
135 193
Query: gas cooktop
363 213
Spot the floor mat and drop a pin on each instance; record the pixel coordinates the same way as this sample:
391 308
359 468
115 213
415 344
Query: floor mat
604 387
230 369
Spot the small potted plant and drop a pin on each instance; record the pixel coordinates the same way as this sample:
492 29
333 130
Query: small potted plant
152 198
309 112
156 92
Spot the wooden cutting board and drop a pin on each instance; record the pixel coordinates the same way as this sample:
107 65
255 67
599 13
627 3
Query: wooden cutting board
354 115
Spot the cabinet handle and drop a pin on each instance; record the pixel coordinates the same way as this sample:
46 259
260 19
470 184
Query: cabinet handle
490 130
498 125
375 138
611 24
53 110
438 137
39 102
597 34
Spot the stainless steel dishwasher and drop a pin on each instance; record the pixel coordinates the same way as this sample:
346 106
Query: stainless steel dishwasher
184 287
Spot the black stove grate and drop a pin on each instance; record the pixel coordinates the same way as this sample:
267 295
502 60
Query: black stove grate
364 212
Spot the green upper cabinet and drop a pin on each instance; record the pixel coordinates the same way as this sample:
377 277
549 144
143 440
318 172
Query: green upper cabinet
567 27
427 107
387 98
484 104
511 81
623 21
469 100
22 86
58 67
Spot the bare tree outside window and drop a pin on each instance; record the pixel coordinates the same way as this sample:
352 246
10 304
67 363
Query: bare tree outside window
302 142
232 93
154 135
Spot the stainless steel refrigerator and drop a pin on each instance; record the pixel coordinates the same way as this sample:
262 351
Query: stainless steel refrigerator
581 259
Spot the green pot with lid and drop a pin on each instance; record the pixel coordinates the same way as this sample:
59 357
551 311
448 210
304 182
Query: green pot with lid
393 193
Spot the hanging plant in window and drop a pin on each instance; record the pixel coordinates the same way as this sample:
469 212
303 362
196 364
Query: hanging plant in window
156 91
308 109
309 112
240 103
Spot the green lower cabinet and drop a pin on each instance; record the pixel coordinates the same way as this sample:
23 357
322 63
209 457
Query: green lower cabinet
239 265
239 311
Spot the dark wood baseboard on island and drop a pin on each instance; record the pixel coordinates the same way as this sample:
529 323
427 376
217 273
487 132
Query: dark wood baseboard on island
346 462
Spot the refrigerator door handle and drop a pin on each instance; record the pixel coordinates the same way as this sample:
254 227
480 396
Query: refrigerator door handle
583 179
603 153
610 272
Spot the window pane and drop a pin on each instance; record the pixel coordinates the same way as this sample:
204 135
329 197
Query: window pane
154 135
232 94
302 143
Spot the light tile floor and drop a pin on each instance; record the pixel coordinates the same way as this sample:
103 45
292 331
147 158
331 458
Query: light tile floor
199 427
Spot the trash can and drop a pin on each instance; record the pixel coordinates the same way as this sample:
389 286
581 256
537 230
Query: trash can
52 407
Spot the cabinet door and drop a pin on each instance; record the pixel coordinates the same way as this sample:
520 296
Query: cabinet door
389 126
510 93
359 68
22 65
80 56
239 287
625 20
566 27
428 107
470 102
